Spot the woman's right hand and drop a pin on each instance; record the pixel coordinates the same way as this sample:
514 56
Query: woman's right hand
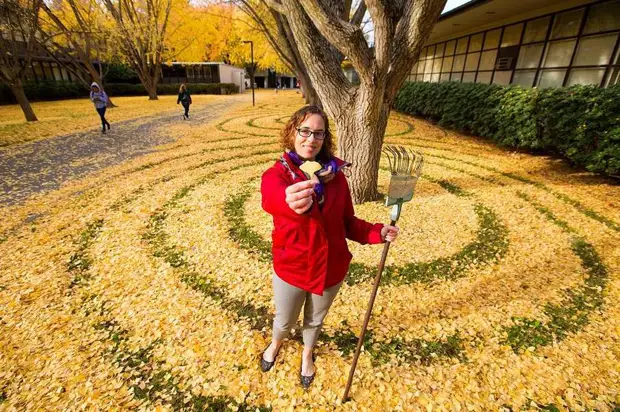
299 196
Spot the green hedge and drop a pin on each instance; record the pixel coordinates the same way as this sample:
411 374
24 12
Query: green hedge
45 90
53 90
581 123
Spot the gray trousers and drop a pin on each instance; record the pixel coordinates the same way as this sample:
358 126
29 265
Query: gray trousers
289 300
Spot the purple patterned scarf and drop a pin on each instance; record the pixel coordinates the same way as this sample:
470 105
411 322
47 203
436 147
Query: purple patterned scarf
319 189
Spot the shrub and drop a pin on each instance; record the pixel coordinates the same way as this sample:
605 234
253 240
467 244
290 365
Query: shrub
581 123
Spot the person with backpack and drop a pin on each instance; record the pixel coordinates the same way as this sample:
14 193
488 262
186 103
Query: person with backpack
101 101
185 99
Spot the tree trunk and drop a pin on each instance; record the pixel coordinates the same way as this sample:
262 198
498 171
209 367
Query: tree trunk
308 92
153 93
360 129
20 96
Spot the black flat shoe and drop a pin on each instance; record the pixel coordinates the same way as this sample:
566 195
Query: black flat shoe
265 365
306 381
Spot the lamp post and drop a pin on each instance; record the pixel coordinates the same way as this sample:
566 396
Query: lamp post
251 68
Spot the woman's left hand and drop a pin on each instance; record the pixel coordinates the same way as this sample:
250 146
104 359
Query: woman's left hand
327 175
389 233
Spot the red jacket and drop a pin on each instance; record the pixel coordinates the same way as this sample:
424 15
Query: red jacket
310 250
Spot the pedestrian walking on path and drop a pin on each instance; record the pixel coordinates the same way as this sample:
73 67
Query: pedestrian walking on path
100 99
308 196
185 99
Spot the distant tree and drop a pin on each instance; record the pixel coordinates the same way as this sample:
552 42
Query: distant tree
19 25
140 31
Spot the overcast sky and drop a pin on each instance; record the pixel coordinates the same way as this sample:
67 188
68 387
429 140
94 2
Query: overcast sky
454 3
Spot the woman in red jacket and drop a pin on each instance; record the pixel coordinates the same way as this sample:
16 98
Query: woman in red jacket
312 220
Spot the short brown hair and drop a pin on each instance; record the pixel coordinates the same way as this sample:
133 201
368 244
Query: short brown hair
287 136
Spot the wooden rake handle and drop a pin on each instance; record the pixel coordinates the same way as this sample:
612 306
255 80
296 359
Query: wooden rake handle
371 302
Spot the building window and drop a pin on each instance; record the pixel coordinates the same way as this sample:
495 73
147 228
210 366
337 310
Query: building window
595 50
469 77
439 51
447 64
536 30
512 35
502 78
559 53
614 77
437 65
574 46
567 24
524 78
484 77
461 45
459 63
586 76
475 43
529 56
491 40
603 17
551 78
450 47
487 61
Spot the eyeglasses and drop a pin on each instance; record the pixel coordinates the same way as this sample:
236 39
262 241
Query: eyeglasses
306 133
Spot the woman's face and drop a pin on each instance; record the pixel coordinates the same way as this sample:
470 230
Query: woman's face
95 89
309 147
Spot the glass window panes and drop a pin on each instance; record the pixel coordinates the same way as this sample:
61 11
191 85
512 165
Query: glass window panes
566 24
475 42
427 77
484 77
48 71
439 50
536 30
435 77
424 52
471 64
524 78
414 69
502 77
445 77
450 47
586 76
529 56
431 52
428 68
551 78
421 67
595 50
559 53
491 40
461 45
456 76
459 63
512 35
603 17
437 65
447 64
469 77
487 61
614 77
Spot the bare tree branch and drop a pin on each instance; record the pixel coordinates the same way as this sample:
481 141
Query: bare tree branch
346 37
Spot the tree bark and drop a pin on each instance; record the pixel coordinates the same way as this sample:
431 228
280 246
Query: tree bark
360 128
18 91
153 92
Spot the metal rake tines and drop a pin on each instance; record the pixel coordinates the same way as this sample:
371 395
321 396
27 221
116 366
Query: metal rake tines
404 162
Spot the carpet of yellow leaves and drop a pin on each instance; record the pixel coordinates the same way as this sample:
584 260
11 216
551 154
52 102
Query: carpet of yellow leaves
148 286
70 116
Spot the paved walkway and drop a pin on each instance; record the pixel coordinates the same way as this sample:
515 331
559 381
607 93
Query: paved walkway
46 164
